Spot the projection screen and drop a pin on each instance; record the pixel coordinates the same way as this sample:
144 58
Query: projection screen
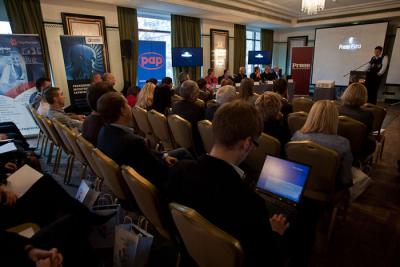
342 49
393 76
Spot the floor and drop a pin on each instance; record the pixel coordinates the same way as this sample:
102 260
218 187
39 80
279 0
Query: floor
371 234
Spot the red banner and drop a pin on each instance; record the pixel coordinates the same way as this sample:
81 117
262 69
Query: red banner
301 69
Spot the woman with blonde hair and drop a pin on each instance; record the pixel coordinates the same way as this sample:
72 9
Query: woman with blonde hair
246 91
146 95
321 127
269 106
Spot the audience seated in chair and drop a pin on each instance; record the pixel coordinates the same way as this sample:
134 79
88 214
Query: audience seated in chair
162 96
109 78
214 186
132 94
246 92
224 95
281 87
321 127
353 98
190 111
205 93
227 82
146 96
118 141
41 85
269 105
54 96
93 123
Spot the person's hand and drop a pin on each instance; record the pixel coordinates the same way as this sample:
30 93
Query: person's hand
3 136
11 166
170 160
46 258
7 196
279 223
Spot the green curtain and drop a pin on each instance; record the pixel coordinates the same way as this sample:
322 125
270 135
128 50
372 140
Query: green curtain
185 32
267 40
240 48
26 18
128 30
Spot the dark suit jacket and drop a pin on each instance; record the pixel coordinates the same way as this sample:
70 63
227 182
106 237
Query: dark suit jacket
127 148
357 113
91 127
254 77
210 111
286 108
279 130
214 189
220 78
238 78
267 77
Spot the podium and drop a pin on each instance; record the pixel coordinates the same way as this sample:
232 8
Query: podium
357 77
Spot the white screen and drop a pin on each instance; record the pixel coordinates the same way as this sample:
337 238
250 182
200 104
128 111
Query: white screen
393 76
342 49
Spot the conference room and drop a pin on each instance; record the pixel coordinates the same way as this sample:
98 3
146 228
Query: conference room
199 133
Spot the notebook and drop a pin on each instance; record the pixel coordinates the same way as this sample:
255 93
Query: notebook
20 181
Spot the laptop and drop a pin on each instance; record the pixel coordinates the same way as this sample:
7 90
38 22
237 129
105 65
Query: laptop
281 184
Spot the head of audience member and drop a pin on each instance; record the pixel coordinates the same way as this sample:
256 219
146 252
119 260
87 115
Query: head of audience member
167 81
276 69
146 96
246 88
227 74
225 94
109 77
153 81
95 91
355 95
162 98
96 78
227 82
114 108
236 126
54 96
202 84
242 70
211 72
378 51
132 90
267 69
322 118
281 87
256 69
269 105
189 91
183 76
42 83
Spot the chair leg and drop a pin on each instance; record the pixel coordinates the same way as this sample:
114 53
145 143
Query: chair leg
57 160
382 146
44 140
83 171
332 223
50 156
40 135
68 171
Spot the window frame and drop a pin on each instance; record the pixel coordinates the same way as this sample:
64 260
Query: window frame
254 40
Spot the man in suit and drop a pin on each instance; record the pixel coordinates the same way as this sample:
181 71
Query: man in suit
119 142
256 75
226 76
214 186
267 75
224 95
276 74
190 110
376 68
241 75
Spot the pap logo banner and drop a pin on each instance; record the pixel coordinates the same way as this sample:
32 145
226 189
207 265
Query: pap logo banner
151 61
83 57
21 64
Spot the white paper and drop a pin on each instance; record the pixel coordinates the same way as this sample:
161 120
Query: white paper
9 147
237 84
23 179
28 233
256 83
270 82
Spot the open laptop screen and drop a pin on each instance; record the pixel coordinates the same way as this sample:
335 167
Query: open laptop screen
283 178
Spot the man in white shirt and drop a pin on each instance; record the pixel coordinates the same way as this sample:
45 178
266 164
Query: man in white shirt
376 68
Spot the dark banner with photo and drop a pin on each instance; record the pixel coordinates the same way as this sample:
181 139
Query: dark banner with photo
21 64
83 57
302 58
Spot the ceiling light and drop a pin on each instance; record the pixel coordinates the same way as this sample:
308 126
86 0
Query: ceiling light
312 7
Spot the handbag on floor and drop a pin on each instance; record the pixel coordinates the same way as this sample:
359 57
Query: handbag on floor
132 243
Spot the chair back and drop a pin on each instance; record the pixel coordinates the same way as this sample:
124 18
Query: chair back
39 121
159 124
324 164
268 145
302 104
147 198
111 173
140 115
53 133
296 120
86 147
58 126
206 133
175 98
379 114
200 103
208 245
71 136
355 131
181 131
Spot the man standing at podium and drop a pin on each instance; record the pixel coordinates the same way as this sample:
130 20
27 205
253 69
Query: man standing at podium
375 70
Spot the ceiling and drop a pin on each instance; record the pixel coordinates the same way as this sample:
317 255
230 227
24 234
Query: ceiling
269 13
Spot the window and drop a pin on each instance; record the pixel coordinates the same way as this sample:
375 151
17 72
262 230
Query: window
253 43
157 29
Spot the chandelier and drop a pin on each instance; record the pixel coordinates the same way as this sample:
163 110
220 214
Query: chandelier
312 7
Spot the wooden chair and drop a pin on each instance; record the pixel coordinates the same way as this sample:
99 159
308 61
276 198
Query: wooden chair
200 103
302 104
296 121
181 130
208 245
268 145
355 132
159 124
175 98
379 114
41 135
45 134
142 121
206 134
321 185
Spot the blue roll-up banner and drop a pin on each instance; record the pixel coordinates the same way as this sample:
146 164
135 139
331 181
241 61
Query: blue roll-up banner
83 57
151 61
21 64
